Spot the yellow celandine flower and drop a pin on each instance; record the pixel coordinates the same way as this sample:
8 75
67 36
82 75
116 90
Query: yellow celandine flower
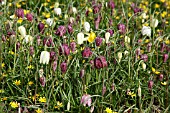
19 20
117 17
123 1
163 14
30 67
14 104
42 99
157 6
3 65
17 82
154 71
18 5
132 94
164 83
4 98
83 61
90 10
4 75
167 41
129 14
59 105
45 4
147 41
23 3
26 11
38 110
108 110
162 1
30 83
48 0
91 37
11 52
9 4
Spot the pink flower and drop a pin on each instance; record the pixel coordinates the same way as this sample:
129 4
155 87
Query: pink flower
150 84
100 62
19 13
111 4
63 67
70 29
42 81
165 57
54 65
86 100
48 41
29 17
82 71
121 28
64 49
31 50
97 21
61 31
73 46
103 90
41 27
98 41
86 53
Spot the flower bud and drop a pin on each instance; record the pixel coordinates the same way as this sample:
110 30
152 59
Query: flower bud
111 4
41 27
22 31
107 36
127 40
54 65
143 66
113 87
31 50
86 53
103 90
149 45
17 45
82 73
144 57
150 84
57 11
70 29
80 38
87 26
165 57
74 10
53 55
38 40
163 46
97 21
146 31
111 32
161 76
139 91
154 23
63 67
28 39
119 54
42 81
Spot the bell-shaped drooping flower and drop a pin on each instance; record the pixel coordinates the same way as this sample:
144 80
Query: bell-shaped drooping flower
150 84
63 67
41 27
80 38
54 65
53 55
73 46
139 91
100 62
44 57
42 81
48 41
127 40
74 10
103 90
161 76
29 17
31 50
111 32
144 57
61 31
19 13
86 26
86 53
28 39
18 45
146 30
98 41
149 45
111 4
154 22
163 47
121 28
57 11
49 21
22 31
107 36
138 52
64 50
165 57
91 37
82 71
143 66
137 10
97 21
86 100
119 55
70 29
